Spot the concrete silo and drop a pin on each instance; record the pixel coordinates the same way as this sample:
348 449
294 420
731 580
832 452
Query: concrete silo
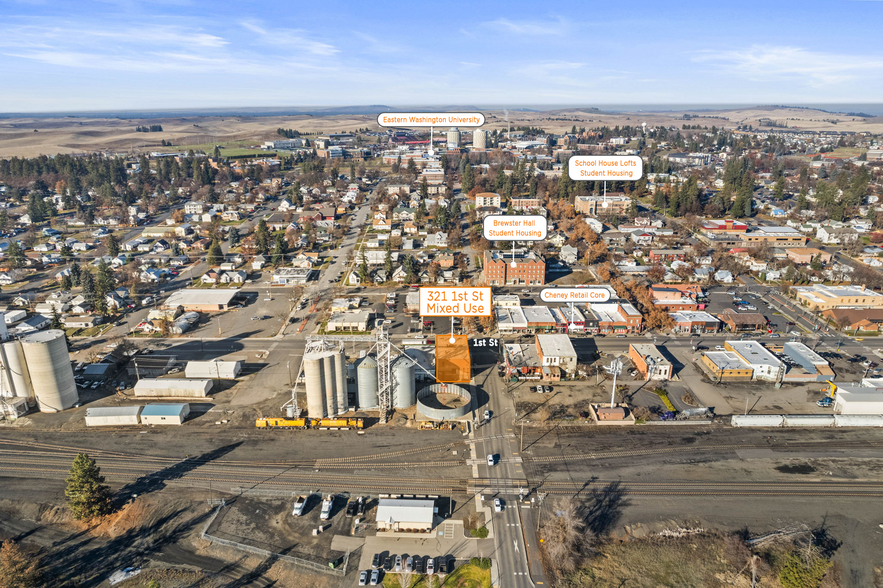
366 379
479 139
453 138
330 383
16 381
404 392
314 375
49 365
340 373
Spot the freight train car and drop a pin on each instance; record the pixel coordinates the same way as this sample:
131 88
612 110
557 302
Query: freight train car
280 423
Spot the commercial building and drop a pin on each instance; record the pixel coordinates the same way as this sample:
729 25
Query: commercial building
165 414
354 320
819 297
725 366
609 205
677 297
716 226
813 366
529 270
743 321
854 319
198 300
695 322
650 362
510 320
288 276
764 365
775 236
405 514
616 317
556 351
805 255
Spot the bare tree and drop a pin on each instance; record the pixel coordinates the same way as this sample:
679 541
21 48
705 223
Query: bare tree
564 538
406 579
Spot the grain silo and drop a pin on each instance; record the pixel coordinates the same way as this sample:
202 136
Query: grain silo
404 392
340 373
49 366
366 379
329 384
16 381
479 139
4 333
314 376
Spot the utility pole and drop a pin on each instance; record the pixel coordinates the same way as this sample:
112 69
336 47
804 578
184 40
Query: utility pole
522 436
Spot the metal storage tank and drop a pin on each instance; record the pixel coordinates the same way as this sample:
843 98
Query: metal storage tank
49 365
15 370
329 384
404 393
313 376
340 372
366 378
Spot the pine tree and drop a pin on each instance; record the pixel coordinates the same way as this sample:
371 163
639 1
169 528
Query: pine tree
87 495
279 250
262 237
363 271
215 254
66 283
113 245
17 569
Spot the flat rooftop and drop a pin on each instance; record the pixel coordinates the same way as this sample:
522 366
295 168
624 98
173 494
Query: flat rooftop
556 346
754 353
727 360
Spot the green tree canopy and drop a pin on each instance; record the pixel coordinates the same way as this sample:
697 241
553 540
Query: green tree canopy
87 495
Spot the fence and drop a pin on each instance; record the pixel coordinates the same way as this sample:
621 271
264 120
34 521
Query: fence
325 569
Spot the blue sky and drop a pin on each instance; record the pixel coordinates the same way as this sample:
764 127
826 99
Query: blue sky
154 54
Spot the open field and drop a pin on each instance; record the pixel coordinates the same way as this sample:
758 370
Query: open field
29 137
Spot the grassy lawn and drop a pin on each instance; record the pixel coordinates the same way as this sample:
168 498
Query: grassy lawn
244 152
847 151
210 147
466 576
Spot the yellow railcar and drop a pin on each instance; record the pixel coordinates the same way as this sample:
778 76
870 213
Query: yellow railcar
280 423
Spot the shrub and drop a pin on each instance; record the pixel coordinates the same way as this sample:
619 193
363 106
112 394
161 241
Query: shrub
483 563
481 532
688 398
797 574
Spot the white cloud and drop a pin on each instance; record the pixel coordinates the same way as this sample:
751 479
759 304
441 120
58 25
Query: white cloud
817 69
529 27
289 39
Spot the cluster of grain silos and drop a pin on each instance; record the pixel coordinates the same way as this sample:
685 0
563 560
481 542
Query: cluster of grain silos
325 375
404 387
38 367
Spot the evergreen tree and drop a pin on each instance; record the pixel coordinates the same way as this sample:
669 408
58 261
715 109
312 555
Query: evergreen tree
87 281
66 283
363 270
55 322
87 495
18 570
234 237
76 274
112 243
387 265
104 280
215 254
15 255
279 247
467 178
779 189
262 237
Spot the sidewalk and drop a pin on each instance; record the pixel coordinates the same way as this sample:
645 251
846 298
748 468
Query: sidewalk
528 517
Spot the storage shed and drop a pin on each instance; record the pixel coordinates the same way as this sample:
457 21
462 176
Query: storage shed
112 416
165 414
404 514
172 388
226 370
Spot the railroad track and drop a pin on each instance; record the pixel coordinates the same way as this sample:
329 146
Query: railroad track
592 455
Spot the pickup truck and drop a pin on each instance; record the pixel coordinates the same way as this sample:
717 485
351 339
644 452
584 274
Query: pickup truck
325 514
299 503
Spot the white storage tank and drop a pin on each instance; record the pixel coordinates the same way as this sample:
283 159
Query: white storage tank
314 374
404 393
340 374
329 384
366 380
49 365
16 381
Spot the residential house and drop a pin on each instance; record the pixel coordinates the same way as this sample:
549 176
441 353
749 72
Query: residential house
568 254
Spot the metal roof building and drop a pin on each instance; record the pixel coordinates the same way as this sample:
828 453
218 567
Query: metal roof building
112 416
201 300
165 414
172 388
402 514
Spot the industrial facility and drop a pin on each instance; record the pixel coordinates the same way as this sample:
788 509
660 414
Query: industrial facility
36 369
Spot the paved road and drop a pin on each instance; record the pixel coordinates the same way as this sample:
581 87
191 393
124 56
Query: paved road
497 437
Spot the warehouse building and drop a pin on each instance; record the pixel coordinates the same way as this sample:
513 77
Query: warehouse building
221 370
165 414
172 388
108 416
765 365
725 366
197 300
405 514
858 400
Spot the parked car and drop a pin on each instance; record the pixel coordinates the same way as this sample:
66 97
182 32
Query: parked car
363 577
387 563
498 505
719 348
826 402
540 390
375 577
375 562
487 415
398 564
430 566
409 564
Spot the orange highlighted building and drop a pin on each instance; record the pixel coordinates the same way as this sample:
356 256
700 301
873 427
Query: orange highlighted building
452 361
